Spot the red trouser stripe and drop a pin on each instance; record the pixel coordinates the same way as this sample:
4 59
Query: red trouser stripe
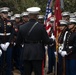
43 67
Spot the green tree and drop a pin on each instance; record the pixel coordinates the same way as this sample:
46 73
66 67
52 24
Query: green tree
70 5
19 6
23 4
42 4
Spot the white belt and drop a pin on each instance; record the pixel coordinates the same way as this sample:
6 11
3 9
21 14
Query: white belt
70 47
2 34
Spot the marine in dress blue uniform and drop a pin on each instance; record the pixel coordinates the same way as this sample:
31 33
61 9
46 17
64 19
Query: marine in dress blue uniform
69 49
17 50
6 36
0 49
51 48
65 15
25 17
63 28
41 19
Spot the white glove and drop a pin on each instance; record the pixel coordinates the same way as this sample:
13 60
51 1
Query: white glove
63 53
6 45
3 47
0 52
14 44
55 53
52 36
46 47
22 45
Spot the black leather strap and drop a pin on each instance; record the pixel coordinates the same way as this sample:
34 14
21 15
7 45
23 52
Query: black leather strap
32 28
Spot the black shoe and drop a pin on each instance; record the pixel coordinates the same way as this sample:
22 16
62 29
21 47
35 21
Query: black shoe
48 72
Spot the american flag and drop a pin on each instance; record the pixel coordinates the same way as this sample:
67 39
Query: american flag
48 15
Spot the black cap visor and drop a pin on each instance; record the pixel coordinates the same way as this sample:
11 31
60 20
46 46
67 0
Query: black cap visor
70 23
62 25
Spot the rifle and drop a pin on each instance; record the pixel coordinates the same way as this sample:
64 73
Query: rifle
64 57
56 62
64 66
63 60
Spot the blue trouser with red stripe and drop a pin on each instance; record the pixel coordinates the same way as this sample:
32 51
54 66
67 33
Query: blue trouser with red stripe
70 66
6 62
18 63
51 58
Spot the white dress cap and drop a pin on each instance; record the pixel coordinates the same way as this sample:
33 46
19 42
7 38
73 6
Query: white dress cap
17 15
72 15
33 10
73 20
63 22
52 19
75 14
12 18
9 13
65 13
24 14
5 9
40 16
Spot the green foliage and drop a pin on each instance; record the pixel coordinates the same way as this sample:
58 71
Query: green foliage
70 5
19 6
23 4
42 4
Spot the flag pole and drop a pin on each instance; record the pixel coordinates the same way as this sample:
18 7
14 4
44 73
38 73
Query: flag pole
57 18
56 62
